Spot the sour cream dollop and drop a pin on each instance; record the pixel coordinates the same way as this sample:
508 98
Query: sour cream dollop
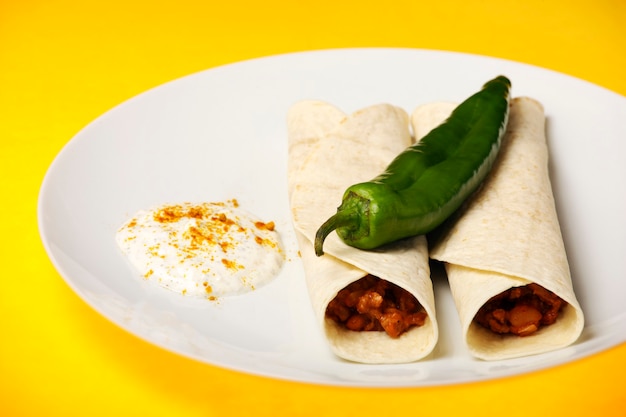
202 250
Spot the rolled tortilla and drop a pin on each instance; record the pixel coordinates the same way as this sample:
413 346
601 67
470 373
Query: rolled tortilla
328 151
507 235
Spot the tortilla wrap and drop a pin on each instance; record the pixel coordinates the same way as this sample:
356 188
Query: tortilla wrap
329 151
506 235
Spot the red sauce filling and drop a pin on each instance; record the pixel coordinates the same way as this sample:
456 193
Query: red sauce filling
374 304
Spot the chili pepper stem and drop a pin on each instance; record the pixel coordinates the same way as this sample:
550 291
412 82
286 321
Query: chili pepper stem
342 218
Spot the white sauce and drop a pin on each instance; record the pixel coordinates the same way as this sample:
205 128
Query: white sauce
202 250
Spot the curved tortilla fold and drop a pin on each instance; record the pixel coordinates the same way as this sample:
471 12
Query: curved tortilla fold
507 235
329 151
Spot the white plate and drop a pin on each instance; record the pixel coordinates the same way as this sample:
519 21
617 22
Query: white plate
221 134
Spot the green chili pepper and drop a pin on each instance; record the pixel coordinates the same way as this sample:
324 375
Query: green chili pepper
428 181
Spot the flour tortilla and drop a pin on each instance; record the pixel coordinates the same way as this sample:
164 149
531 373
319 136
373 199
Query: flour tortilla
329 151
507 235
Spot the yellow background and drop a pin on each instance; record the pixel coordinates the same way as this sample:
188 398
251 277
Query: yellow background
63 63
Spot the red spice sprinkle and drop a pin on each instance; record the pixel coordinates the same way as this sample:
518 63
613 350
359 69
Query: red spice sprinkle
174 213
232 264
168 214
225 246
207 287
265 226
195 212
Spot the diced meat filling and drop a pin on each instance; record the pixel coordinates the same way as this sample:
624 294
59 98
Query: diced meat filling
374 304
520 310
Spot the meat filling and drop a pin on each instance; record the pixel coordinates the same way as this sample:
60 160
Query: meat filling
520 310
374 304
